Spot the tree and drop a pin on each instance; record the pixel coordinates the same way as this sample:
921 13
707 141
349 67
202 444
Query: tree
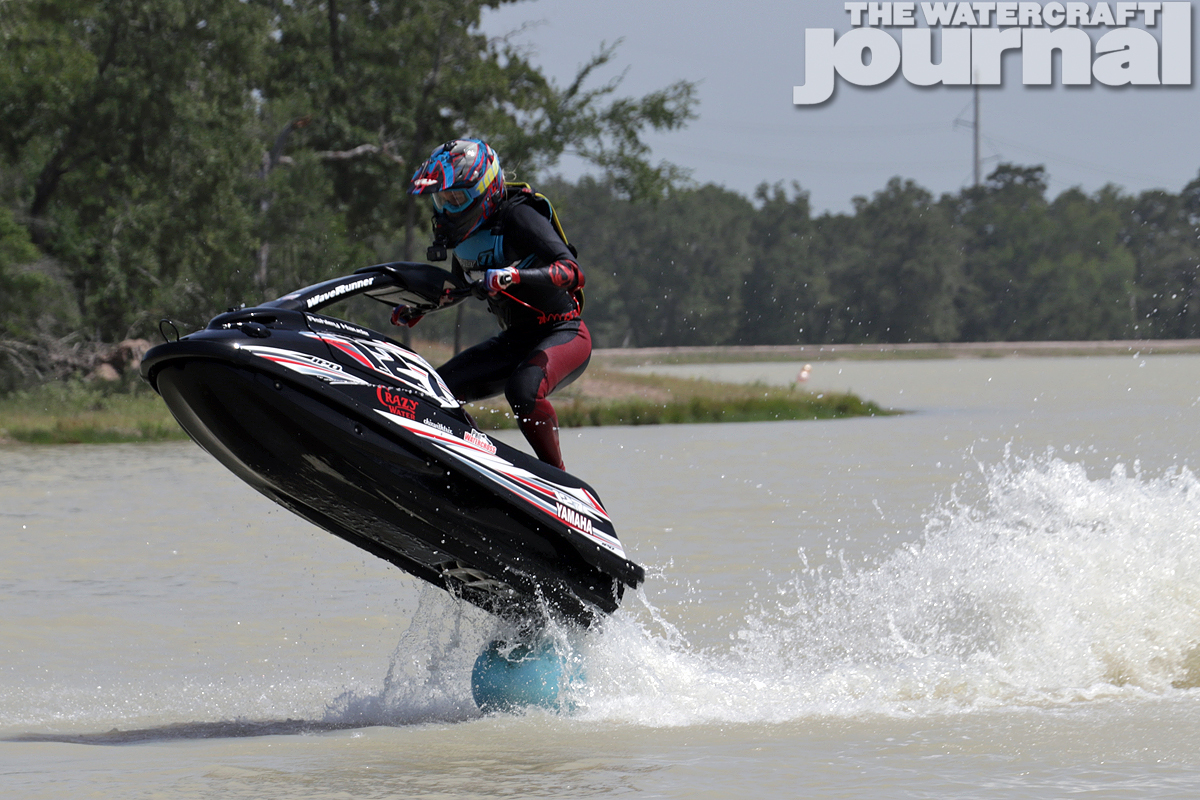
664 273
1162 231
174 157
386 82
1006 226
1081 285
33 307
901 270
787 296
127 148
19 288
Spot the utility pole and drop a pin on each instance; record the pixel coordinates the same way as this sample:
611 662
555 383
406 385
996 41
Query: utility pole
976 129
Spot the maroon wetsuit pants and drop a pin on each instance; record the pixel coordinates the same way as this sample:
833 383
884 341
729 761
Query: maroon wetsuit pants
527 365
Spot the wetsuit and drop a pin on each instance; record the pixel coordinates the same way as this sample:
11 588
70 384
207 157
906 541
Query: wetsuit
543 344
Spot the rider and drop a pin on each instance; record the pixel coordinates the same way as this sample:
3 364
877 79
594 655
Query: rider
507 243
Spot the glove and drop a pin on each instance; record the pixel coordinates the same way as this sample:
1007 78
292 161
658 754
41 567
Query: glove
497 280
405 315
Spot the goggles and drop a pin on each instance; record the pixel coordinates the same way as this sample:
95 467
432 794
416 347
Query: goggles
453 201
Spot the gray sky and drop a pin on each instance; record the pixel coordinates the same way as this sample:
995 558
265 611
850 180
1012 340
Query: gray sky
747 56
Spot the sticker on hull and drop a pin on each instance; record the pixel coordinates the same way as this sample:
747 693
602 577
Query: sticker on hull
575 508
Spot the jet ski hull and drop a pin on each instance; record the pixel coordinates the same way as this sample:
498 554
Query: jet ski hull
399 473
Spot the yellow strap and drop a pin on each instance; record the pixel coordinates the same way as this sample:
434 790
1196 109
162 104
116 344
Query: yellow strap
558 228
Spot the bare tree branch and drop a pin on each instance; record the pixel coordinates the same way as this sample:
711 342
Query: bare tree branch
383 150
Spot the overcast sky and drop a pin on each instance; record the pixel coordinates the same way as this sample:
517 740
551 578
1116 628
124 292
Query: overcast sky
748 55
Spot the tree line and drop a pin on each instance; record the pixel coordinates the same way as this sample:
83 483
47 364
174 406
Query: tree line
173 158
996 262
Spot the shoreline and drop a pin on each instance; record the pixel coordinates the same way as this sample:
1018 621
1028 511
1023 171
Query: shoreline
907 350
607 394
85 414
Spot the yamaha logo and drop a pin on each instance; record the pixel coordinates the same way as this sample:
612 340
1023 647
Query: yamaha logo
574 519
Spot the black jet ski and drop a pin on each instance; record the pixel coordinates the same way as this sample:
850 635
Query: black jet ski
359 435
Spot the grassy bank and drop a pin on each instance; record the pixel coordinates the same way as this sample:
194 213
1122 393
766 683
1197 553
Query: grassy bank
611 397
77 412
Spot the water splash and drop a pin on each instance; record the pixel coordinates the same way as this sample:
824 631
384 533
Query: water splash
428 677
1034 585
1049 588
424 681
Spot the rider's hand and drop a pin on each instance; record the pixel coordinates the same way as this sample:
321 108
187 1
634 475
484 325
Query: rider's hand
405 315
497 280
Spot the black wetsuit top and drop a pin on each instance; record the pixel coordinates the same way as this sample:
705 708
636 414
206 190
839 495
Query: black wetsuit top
549 277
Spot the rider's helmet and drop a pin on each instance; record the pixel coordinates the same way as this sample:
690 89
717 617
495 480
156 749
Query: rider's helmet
467 185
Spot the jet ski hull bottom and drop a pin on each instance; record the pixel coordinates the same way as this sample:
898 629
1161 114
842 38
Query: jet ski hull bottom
347 471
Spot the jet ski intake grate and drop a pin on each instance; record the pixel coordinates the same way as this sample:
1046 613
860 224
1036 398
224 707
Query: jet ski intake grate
475 579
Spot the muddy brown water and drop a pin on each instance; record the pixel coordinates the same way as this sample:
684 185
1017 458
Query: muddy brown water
995 595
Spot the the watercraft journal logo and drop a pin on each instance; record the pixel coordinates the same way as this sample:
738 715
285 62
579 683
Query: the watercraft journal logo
1146 44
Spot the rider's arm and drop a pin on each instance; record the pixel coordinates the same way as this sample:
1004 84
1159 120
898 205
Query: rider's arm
527 231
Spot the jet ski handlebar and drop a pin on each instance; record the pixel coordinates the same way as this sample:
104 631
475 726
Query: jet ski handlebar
422 286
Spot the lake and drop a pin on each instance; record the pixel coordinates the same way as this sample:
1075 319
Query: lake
993 595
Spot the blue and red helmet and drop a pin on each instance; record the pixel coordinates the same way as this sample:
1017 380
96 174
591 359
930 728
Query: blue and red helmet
466 182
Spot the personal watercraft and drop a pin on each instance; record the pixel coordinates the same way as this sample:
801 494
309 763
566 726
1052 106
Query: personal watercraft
358 434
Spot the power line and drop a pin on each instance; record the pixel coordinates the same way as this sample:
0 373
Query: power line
1074 162
976 132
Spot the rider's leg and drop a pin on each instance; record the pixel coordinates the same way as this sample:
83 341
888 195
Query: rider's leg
558 360
483 370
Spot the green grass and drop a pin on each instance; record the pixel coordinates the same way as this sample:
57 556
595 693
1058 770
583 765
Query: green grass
702 409
82 413
75 412
611 397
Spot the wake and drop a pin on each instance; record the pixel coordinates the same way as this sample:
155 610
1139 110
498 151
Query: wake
1051 588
